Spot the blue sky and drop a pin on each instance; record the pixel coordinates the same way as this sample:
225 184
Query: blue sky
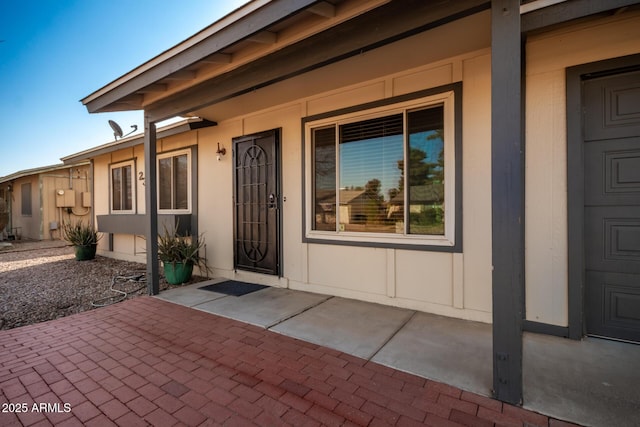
54 53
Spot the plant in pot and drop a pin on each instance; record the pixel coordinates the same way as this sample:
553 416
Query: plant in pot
178 255
83 237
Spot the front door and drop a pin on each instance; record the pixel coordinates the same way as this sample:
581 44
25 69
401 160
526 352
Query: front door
611 129
256 201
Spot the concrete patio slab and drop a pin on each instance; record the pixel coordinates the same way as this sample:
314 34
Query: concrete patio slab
450 350
191 295
593 381
263 308
354 327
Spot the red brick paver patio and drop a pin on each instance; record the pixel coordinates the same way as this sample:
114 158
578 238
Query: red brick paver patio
150 362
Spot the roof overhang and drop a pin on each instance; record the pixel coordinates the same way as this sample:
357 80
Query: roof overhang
189 124
126 92
40 170
271 41
267 41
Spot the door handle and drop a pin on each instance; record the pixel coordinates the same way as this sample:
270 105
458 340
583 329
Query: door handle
273 201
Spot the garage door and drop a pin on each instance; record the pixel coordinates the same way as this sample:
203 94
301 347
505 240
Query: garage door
611 125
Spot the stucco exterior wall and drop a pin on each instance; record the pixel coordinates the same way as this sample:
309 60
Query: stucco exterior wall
548 56
452 284
46 217
25 226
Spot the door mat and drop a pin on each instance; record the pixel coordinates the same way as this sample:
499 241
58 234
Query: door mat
233 287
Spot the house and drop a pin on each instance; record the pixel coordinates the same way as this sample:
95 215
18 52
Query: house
37 201
527 114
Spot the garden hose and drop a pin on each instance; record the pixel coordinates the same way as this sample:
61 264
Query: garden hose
121 281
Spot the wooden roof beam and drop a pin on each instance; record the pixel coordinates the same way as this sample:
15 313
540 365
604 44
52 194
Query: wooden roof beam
217 58
324 9
263 37
181 75
153 88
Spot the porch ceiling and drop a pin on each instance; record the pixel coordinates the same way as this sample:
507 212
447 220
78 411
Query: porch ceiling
281 43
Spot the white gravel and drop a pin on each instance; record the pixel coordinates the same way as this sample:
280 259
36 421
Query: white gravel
41 281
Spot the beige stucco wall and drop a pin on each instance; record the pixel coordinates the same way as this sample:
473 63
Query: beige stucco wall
25 226
456 285
548 56
44 211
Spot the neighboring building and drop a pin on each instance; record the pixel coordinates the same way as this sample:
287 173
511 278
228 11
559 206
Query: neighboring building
316 101
39 200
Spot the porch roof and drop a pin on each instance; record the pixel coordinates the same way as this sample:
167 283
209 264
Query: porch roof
262 43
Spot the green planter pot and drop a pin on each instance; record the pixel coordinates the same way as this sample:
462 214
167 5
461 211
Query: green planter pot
177 272
85 252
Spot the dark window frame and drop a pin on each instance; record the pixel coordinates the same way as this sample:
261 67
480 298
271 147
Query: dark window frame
424 245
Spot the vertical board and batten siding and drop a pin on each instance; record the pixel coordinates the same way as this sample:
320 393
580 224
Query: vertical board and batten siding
44 185
452 284
55 180
548 56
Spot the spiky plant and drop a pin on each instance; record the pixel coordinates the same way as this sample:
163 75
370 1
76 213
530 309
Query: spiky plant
80 234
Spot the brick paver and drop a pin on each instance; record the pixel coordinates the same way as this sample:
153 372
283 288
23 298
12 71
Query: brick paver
150 362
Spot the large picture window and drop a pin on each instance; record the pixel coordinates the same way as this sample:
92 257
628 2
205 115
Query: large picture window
122 188
174 171
385 174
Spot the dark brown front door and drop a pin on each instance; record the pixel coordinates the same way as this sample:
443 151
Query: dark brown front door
611 126
256 200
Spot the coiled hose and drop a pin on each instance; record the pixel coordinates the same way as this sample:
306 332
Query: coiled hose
120 286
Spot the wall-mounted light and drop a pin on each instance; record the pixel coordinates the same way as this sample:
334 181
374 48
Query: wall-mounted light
221 151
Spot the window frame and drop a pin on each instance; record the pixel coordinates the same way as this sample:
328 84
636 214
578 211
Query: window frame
450 96
117 165
172 154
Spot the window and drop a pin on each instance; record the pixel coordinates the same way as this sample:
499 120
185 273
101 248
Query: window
122 188
174 187
385 174
25 190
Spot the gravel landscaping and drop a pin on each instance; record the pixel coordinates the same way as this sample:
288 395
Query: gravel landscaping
41 281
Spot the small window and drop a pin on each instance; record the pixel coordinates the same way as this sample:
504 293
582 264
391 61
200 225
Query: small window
384 175
174 185
25 190
122 188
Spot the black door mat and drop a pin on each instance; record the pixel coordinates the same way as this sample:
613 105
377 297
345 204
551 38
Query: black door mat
233 287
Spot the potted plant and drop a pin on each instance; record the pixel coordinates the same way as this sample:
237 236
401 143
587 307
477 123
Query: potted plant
83 237
178 255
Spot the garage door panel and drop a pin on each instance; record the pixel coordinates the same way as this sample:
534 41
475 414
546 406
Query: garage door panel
614 108
612 172
613 305
612 239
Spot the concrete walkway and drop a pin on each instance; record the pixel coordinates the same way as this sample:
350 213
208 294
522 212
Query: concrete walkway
150 362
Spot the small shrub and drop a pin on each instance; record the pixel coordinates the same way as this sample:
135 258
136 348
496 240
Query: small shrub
80 234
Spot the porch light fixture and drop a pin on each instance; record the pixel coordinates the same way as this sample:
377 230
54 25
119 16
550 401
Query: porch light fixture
220 152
